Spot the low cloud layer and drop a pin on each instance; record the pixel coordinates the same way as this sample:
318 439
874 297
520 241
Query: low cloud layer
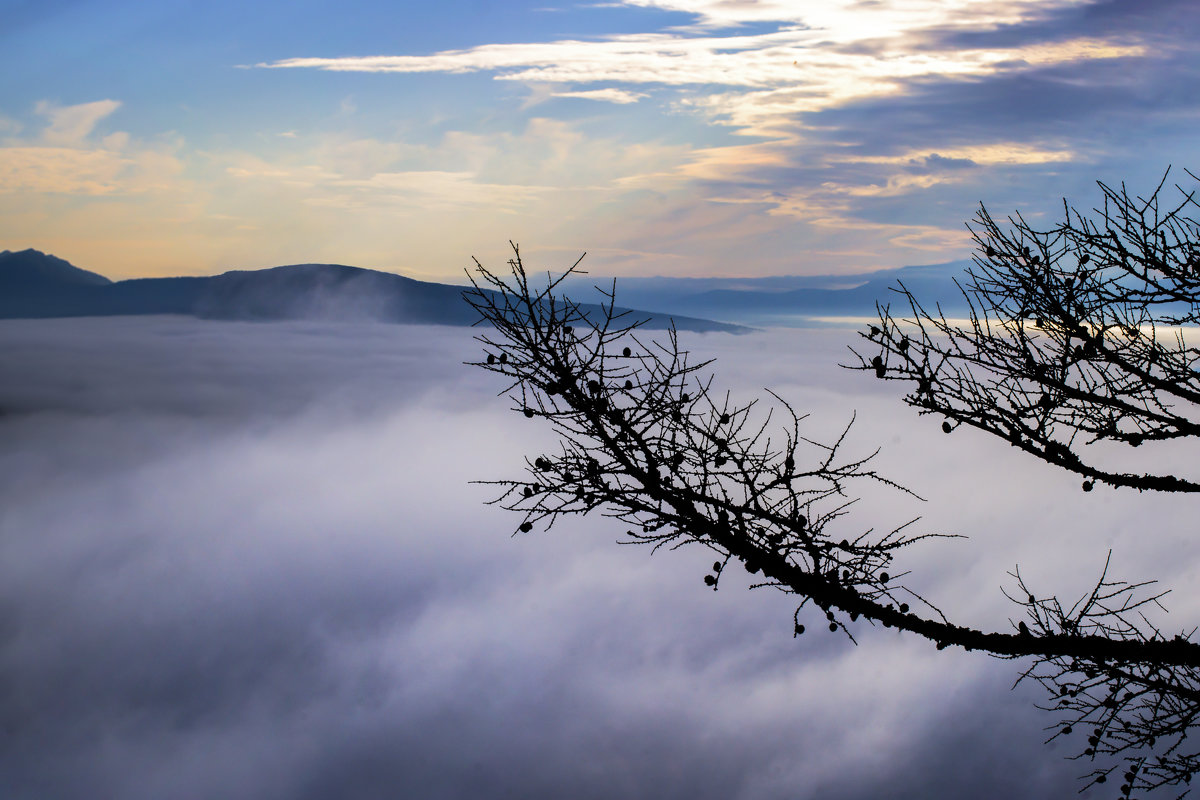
246 561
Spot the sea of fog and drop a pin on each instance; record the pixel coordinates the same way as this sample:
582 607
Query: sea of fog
248 560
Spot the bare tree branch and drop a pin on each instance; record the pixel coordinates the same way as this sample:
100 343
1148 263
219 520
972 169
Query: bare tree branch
1073 337
647 440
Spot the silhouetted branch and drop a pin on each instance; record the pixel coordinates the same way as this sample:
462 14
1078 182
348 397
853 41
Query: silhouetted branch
648 441
1072 337
1075 336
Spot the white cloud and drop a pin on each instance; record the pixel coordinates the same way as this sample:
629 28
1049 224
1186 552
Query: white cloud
805 65
619 96
796 58
853 20
66 160
71 125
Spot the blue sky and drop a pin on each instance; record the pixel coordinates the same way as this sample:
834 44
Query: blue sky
665 137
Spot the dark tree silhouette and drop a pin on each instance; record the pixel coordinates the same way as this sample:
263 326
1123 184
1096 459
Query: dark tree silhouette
1072 338
646 439
1074 350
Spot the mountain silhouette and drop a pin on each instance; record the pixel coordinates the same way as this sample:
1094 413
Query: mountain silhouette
764 300
36 285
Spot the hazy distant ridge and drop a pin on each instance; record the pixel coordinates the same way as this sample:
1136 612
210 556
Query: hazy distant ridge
37 285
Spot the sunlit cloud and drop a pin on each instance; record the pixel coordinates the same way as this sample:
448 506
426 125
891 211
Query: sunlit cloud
769 84
65 157
619 96
72 124
852 20
797 59
822 56
996 153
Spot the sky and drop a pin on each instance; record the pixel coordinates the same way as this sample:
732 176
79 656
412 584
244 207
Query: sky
663 137
246 560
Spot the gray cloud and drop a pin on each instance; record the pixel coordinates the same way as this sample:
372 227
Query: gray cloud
245 561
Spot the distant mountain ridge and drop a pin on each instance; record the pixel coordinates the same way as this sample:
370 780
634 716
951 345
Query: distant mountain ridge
36 285
773 300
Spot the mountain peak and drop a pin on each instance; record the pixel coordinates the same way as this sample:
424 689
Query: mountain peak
31 268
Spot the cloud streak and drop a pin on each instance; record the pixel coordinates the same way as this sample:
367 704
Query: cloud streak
73 124
788 72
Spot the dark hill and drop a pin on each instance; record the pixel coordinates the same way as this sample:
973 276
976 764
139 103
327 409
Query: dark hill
33 284
34 269
331 291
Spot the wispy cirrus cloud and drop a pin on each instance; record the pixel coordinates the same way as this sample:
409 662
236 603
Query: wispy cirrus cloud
779 73
67 157
852 20
72 124
610 95
814 56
